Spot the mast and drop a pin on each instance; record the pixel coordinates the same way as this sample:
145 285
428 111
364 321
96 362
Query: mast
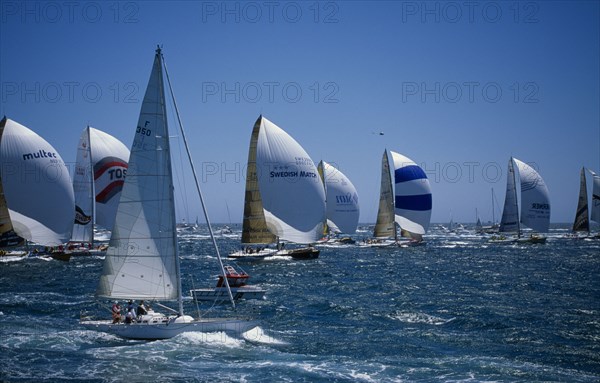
493 209
187 149
516 197
92 181
174 225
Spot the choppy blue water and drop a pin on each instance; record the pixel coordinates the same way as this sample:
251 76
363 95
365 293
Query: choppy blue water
459 309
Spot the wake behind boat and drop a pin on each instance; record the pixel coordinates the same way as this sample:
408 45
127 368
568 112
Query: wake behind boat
142 261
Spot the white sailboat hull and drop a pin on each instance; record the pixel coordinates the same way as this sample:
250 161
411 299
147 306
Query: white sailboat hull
169 328
253 255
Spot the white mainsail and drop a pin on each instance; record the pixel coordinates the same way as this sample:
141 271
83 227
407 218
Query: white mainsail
582 221
291 190
385 226
412 202
535 201
83 228
99 175
141 261
36 186
341 199
510 215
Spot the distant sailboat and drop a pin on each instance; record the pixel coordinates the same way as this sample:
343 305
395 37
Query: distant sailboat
407 203
342 203
493 227
142 261
582 214
36 195
595 214
582 221
284 199
98 180
535 203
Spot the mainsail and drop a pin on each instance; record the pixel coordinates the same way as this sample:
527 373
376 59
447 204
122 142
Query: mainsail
385 226
595 216
99 175
254 225
291 190
341 199
582 222
510 215
141 261
413 201
36 187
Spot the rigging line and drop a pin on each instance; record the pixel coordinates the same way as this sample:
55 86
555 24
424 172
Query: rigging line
212 236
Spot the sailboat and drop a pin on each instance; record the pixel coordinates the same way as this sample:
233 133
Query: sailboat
493 227
36 196
407 203
97 182
142 260
342 204
535 204
595 213
284 199
582 219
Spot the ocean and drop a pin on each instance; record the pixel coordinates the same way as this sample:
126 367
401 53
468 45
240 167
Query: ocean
458 309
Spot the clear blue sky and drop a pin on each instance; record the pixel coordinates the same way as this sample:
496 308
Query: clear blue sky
459 87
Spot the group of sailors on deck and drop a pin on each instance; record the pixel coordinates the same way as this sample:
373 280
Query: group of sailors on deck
131 314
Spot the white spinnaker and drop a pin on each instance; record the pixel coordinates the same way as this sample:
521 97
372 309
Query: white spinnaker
412 199
37 186
342 200
141 259
292 193
535 201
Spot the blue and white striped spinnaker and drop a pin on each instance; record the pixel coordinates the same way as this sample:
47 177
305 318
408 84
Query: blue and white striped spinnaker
412 197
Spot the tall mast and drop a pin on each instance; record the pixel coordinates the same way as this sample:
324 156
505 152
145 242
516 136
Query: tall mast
93 189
